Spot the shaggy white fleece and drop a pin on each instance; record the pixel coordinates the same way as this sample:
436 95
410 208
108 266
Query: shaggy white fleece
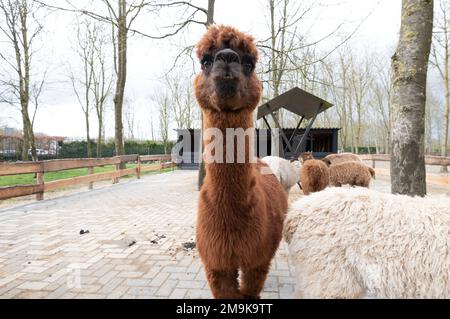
287 174
356 242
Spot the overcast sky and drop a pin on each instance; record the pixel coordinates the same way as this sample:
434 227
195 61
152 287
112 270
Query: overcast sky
148 59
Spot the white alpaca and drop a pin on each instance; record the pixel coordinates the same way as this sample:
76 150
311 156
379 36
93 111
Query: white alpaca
356 242
288 174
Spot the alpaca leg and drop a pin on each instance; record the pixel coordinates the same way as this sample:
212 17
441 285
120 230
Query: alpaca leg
223 283
253 281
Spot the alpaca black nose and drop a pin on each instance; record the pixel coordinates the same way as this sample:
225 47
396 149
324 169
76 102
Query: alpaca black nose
227 56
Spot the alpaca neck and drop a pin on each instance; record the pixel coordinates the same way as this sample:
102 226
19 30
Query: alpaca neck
236 174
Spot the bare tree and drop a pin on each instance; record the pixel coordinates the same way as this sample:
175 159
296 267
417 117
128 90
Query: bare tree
282 43
87 36
102 81
129 113
380 92
337 74
35 93
162 101
181 100
20 26
360 80
409 78
432 127
287 47
120 15
440 55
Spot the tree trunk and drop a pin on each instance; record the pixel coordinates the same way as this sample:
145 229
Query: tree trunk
32 140
358 127
121 77
88 137
99 137
446 114
409 78
26 140
210 14
202 170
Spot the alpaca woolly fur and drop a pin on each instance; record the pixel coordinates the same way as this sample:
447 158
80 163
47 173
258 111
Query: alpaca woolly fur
356 242
314 176
351 173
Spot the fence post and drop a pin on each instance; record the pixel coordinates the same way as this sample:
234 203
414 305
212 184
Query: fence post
90 172
138 167
116 178
373 162
40 181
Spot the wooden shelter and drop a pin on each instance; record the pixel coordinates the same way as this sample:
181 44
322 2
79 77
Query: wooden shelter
307 106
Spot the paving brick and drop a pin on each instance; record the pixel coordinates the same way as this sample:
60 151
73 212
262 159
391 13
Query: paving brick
182 276
137 282
33 285
107 277
198 294
113 283
167 288
130 274
143 291
159 279
190 284
174 269
118 292
9 278
178 293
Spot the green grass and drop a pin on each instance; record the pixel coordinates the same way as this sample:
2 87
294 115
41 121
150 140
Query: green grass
25 179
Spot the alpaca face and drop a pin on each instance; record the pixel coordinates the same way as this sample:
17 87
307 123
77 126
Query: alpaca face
227 81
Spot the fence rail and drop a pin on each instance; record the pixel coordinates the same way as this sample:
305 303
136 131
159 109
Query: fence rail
429 159
42 167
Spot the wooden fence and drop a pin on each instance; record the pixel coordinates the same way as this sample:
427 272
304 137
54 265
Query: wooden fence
429 159
436 179
42 167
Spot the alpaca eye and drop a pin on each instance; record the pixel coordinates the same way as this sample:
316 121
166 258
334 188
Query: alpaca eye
248 67
207 61
207 64
248 64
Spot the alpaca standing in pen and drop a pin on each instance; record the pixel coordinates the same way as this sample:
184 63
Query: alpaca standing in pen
241 210
314 176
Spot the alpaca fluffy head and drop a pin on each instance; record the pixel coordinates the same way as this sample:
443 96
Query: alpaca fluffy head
305 156
227 81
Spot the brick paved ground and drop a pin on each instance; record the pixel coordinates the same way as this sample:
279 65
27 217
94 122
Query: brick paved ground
43 255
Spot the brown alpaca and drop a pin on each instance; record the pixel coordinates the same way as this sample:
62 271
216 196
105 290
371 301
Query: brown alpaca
351 173
314 176
241 211
340 158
